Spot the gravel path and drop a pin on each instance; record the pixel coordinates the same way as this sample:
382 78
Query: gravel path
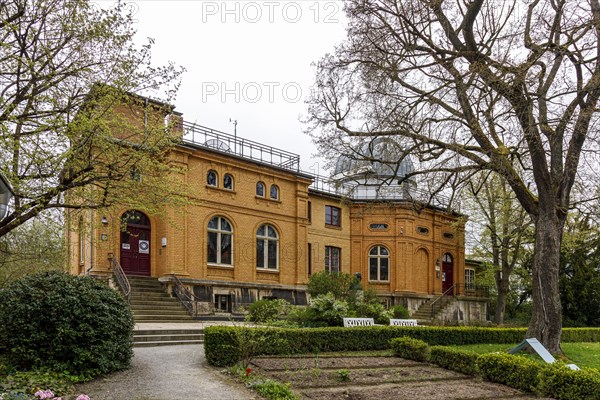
166 373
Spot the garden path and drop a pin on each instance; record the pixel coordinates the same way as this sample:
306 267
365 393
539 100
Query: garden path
166 373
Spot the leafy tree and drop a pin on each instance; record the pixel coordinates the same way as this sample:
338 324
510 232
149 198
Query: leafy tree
506 87
35 246
504 233
70 118
580 274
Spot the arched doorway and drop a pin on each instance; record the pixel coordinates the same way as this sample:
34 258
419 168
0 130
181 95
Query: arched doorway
135 243
447 273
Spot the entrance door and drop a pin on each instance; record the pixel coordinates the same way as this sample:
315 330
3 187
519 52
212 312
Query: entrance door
135 244
447 274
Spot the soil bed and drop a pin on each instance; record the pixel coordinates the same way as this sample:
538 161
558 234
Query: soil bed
381 378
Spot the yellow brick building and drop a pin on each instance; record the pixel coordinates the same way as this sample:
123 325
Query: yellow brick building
260 227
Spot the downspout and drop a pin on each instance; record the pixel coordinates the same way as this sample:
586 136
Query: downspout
87 271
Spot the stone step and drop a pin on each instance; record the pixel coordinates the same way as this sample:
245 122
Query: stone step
155 303
153 312
161 317
175 331
170 343
166 338
159 306
149 296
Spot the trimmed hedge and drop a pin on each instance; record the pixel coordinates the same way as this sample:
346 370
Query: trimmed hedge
463 361
223 348
514 371
562 383
411 349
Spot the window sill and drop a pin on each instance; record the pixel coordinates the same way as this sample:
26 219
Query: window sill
268 270
276 201
379 282
221 266
220 189
338 227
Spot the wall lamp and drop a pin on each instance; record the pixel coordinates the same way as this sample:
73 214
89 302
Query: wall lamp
104 220
437 267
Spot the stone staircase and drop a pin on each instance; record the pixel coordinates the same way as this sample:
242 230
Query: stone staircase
424 314
151 304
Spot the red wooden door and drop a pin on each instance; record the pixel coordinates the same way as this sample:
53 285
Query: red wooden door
447 274
135 249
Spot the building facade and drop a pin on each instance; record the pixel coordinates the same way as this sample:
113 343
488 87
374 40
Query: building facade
258 227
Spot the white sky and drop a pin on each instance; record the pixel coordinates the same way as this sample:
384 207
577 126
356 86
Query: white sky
246 60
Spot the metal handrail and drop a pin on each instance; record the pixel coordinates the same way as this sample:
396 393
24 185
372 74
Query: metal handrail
450 289
121 278
185 296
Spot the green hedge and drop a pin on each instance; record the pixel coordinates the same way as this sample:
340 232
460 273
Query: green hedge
515 371
409 348
562 383
222 345
462 361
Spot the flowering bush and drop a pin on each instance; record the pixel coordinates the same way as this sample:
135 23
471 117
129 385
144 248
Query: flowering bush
45 394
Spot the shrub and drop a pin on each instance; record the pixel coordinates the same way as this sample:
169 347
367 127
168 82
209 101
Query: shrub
515 371
456 360
222 346
562 383
373 310
267 310
409 348
329 310
273 390
65 323
26 383
400 312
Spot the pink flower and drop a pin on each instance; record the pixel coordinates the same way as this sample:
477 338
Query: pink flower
83 397
44 394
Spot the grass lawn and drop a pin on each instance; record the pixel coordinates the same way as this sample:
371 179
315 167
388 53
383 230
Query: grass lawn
580 354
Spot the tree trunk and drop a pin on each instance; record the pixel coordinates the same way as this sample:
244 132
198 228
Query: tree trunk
546 318
503 286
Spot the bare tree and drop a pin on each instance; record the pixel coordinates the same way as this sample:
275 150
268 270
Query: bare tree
69 72
506 86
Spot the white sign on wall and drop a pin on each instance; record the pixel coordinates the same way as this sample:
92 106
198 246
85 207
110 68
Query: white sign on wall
144 246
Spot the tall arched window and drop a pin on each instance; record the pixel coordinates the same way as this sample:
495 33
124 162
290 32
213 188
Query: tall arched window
267 247
212 178
379 264
260 189
220 241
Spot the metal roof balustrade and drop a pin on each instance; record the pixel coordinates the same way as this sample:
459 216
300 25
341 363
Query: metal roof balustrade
212 139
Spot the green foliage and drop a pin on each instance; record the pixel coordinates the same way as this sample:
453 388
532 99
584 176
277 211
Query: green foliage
400 312
267 310
344 374
31 381
65 323
341 285
409 348
560 382
273 390
222 346
515 371
373 310
462 361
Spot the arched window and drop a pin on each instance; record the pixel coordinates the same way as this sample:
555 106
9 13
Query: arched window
220 241
274 192
447 258
379 264
260 189
228 182
212 178
267 247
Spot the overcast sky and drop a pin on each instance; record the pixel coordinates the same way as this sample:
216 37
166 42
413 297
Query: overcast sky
248 61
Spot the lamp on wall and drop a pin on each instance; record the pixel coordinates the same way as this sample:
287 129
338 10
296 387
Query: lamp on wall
104 220
437 267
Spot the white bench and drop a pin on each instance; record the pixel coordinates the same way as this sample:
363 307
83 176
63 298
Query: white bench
352 322
403 322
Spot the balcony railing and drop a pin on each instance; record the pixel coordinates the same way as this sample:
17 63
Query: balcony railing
230 144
